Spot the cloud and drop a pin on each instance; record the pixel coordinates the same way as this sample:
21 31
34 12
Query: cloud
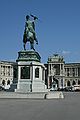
64 52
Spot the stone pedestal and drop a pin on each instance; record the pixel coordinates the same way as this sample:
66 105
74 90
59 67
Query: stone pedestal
31 72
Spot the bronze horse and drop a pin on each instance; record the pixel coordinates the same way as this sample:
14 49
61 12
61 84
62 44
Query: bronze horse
29 33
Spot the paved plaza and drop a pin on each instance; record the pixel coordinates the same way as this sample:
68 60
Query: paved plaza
36 109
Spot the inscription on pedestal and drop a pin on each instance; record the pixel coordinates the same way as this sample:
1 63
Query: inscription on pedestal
25 72
37 73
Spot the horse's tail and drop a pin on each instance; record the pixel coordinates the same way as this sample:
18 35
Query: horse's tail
24 37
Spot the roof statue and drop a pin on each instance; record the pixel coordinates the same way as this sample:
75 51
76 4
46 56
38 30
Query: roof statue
29 31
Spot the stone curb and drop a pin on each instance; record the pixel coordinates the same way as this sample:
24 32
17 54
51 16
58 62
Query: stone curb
14 95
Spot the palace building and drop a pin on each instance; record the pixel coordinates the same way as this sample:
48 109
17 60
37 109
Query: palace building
6 73
58 74
61 74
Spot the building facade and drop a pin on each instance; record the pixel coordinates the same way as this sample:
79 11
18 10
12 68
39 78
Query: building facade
72 74
6 73
58 74
61 74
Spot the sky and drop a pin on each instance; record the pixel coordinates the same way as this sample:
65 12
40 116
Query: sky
57 28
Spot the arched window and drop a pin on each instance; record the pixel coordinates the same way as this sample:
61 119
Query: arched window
78 82
3 82
73 83
68 83
8 82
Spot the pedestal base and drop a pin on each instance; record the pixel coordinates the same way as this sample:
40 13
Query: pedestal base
31 73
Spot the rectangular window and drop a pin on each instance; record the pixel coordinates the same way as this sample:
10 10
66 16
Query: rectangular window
61 66
42 73
78 71
68 74
73 71
62 82
57 68
50 66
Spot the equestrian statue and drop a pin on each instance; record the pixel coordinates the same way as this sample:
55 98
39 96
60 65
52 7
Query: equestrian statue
29 32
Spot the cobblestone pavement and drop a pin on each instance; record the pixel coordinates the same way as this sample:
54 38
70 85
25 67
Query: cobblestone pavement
55 109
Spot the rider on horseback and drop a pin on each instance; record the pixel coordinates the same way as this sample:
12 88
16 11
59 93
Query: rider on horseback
29 32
